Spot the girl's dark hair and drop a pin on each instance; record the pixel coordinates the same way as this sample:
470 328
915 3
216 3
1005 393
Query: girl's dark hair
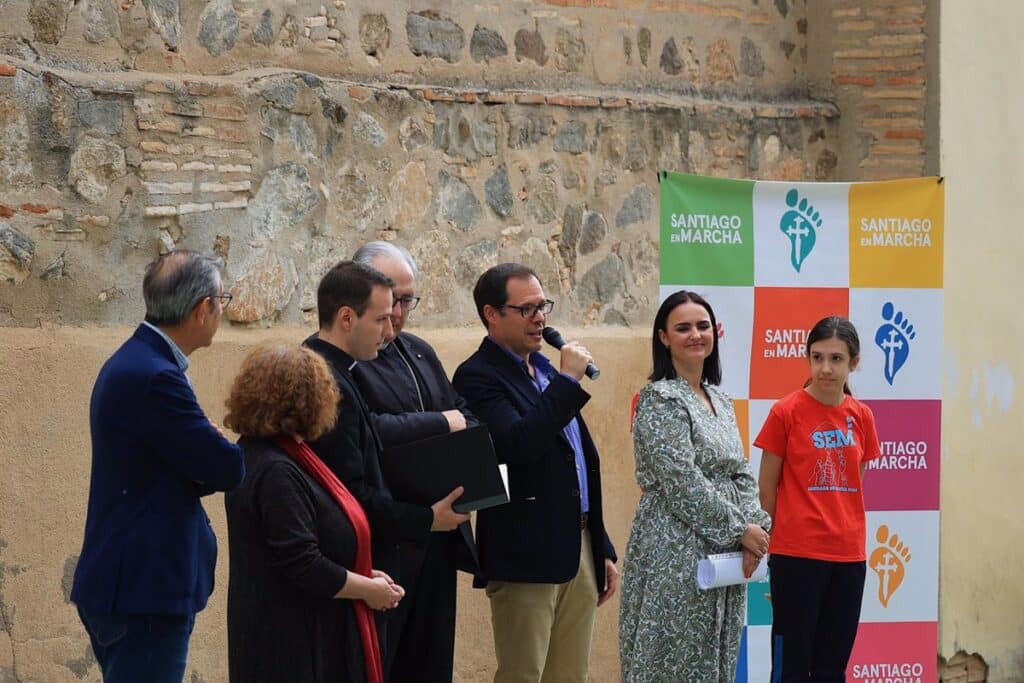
662 357
835 327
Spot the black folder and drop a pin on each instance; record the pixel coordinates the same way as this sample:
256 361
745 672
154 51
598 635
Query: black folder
427 470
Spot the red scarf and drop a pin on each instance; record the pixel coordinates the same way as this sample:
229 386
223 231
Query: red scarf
304 455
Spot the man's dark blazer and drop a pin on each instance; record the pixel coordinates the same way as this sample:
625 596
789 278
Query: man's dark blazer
352 450
393 401
149 547
535 538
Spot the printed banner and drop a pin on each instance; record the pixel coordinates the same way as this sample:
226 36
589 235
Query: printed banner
772 259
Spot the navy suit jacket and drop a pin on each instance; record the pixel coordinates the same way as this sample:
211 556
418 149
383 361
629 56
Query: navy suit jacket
149 547
535 538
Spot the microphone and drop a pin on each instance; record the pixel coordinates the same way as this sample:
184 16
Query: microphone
555 338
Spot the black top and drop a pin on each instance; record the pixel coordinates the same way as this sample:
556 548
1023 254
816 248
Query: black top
351 450
289 543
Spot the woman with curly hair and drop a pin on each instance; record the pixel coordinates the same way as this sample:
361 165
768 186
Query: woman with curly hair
301 584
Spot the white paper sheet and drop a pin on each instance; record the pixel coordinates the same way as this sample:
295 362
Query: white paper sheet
726 569
503 470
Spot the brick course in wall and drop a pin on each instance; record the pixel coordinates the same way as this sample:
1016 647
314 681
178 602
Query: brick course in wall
879 72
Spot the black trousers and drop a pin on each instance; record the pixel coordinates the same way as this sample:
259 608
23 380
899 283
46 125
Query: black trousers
421 630
815 613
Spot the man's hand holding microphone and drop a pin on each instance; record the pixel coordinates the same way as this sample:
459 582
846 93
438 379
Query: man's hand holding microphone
576 360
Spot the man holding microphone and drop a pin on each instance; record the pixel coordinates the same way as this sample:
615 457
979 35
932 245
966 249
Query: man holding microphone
546 560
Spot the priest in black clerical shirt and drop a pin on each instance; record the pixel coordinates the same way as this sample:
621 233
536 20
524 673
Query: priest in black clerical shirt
354 304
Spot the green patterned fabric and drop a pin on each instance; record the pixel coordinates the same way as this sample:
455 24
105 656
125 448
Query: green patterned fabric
698 497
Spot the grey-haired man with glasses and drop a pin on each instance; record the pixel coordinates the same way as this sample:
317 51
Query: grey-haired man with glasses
149 552
410 398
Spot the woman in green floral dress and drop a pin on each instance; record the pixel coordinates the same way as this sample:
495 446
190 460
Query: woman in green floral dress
699 498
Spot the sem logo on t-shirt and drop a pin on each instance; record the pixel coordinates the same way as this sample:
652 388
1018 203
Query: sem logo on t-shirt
830 472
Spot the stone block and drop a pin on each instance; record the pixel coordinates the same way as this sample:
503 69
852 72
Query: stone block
432 35
16 253
94 164
456 204
194 208
571 137
530 45
498 192
264 288
366 129
152 165
284 198
228 112
638 207
721 68
603 282
168 188
219 27
164 18
486 45
49 19
189 108
234 186
105 116
238 203
374 34
573 101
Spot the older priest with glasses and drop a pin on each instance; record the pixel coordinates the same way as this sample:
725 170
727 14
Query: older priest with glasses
410 398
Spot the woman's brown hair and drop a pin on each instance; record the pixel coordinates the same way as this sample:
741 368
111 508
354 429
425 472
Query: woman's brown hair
283 390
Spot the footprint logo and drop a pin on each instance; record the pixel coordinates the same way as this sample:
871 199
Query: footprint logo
800 225
893 338
889 561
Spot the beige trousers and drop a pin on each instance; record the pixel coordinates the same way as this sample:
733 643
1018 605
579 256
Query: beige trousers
542 630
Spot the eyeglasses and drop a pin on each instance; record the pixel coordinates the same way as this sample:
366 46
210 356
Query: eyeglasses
531 310
407 302
225 299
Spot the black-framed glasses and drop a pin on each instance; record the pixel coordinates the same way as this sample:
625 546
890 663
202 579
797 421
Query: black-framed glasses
407 302
530 310
225 299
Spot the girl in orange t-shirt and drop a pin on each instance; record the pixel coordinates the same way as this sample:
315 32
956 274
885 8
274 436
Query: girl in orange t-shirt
816 444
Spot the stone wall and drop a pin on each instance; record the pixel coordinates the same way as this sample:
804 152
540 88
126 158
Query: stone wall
282 137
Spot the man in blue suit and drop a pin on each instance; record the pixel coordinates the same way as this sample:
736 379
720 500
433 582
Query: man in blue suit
147 561
546 558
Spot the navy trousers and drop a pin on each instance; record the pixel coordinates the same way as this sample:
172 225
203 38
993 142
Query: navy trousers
131 648
815 614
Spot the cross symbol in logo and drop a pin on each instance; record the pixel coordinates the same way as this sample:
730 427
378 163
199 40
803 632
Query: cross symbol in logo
889 345
797 232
